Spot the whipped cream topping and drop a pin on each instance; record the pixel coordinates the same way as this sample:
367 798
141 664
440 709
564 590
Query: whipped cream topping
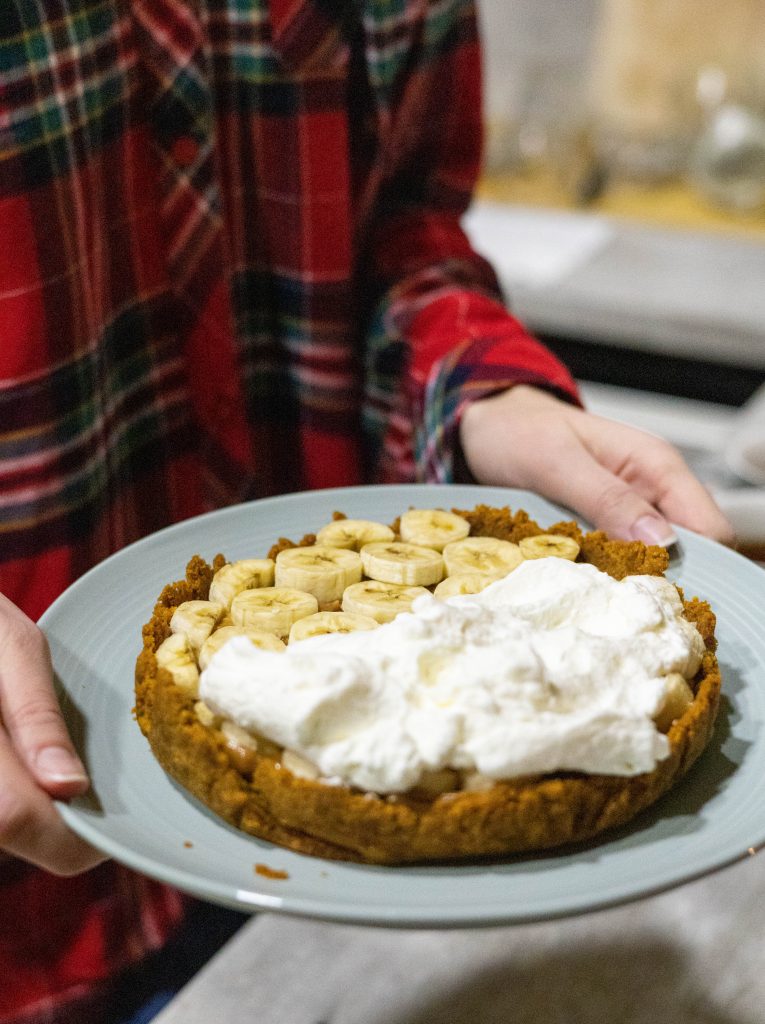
557 666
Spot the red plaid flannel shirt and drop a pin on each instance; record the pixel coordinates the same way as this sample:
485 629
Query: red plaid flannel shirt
232 266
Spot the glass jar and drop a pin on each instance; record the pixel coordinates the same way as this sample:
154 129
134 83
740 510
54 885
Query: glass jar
647 58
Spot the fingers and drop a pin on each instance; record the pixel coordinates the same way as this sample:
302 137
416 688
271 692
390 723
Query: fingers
30 825
29 709
576 479
685 501
37 759
657 472
629 483
524 438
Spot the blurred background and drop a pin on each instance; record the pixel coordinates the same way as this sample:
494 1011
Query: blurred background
623 205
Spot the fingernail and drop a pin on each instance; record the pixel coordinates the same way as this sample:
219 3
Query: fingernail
58 765
653 530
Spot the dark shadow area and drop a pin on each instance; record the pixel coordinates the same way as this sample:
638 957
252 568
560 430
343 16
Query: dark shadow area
77 726
100 720
632 982
634 367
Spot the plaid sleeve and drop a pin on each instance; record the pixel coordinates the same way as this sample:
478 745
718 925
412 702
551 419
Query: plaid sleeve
465 347
440 335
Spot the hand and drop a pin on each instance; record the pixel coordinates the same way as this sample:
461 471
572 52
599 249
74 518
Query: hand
37 759
629 483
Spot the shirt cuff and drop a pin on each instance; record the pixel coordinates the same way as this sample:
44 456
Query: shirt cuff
467 347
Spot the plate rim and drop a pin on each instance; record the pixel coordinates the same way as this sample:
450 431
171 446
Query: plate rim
257 897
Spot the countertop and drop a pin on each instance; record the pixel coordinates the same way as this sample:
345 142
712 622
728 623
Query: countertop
690 956
585 275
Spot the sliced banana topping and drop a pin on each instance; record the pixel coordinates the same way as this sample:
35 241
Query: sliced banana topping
549 545
205 714
242 746
397 562
320 570
176 655
380 601
235 735
272 609
235 577
475 782
353 534
197 620
464 583
432 527
298 765
330 622
259 637
482 554
678 697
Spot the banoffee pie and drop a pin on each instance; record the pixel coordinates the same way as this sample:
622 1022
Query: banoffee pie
453 685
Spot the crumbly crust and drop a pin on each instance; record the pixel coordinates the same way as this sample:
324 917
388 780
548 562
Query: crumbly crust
258 795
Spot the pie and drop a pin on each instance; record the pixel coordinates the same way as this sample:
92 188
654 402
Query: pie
253 783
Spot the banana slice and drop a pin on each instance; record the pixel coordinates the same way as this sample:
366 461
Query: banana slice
272 609
353 534
259 637
205 714
397 562
330 622
432 527
380 601
177 656
235 577
197 619
242 746
549 545
298 765
482 554
464 583
677 698
475 782
320 570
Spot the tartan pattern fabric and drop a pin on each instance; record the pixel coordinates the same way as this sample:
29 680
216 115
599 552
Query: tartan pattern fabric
232 266
60 937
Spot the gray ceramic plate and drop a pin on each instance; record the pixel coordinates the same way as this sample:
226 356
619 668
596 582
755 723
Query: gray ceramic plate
137 815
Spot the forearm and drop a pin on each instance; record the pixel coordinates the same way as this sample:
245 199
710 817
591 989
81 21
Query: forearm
439 335
460 347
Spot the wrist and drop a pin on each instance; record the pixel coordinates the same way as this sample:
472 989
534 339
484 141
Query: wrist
462 473
473 438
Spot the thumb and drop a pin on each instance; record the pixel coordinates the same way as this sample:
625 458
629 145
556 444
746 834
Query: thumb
30 712
605 500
